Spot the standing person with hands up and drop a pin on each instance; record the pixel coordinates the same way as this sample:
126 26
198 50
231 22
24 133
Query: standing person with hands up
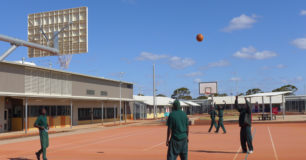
245 125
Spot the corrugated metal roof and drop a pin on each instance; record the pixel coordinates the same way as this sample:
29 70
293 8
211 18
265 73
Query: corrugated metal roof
162 101
268 94
56 70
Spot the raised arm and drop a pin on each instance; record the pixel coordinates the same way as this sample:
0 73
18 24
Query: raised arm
248 106
237 105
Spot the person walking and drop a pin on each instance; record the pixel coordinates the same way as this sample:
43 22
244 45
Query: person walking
42 125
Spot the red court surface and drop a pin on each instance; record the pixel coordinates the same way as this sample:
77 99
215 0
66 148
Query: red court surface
271 142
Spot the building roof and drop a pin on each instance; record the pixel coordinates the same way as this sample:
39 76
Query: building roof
24 95
56 70
268 94
231 100
162 101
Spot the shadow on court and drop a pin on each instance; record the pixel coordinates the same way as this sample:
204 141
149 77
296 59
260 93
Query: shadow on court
19 158
100 152
206 151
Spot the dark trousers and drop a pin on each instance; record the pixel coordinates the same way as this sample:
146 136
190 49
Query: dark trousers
212 123
43 151
220 124
246 138
177 148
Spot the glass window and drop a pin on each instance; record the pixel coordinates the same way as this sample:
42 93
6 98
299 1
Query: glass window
97 113
84 114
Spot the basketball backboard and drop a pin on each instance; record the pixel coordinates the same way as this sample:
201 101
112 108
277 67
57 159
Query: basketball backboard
63 29
208 88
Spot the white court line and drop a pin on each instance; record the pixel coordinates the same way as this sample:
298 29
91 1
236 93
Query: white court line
237 153
154 146
275 154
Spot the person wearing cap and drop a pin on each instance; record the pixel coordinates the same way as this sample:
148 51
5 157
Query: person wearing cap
178 129
245 123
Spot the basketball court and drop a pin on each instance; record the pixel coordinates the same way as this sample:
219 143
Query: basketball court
271 142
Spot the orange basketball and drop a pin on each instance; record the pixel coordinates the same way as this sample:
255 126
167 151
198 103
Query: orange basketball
200 37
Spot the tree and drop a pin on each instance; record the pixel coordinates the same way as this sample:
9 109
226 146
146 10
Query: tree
181 93
288 87
220 94
202 97
253 91
139 94
161 95
240 94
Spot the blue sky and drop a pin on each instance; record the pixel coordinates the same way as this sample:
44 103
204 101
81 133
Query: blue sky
252 43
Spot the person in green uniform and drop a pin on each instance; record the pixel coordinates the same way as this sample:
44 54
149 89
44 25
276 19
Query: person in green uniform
220 115
245 125
42 125
178 128
212 114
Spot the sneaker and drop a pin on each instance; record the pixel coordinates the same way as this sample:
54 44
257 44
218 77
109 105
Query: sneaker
244 151
37 156
250 152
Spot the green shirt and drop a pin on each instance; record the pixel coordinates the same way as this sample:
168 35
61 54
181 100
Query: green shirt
44 137
178 123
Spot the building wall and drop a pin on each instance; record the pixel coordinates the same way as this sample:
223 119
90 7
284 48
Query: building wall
11 78
80 85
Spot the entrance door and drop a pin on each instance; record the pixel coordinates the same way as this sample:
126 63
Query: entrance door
5 127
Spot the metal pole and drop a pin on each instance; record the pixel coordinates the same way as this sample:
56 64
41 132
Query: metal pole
102 113
284 107
125 111
115 115
19 42
154 105
26 116
120 104
71 114
271 107
263 105
8 52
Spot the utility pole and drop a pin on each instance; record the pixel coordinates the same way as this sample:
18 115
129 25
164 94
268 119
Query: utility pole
154 92
121 74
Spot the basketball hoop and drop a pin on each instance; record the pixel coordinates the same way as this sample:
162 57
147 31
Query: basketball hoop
64 60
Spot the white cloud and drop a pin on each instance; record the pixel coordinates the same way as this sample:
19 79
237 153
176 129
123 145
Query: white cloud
197 80
180 63
235 79
300 43
194 74
241 22
150 56
251 53
303 12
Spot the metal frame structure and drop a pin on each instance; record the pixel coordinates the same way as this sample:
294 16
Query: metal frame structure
18 42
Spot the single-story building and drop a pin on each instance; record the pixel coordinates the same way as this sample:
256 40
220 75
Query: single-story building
144 106
69 98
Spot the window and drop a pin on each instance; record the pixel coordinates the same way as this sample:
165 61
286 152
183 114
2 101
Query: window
63 110
97 113
110 112
5 115
129 86
103 93
90 92
84 114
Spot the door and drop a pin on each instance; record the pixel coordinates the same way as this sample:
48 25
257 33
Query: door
5 120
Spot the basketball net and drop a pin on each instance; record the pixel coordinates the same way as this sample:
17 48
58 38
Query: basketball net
64 60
